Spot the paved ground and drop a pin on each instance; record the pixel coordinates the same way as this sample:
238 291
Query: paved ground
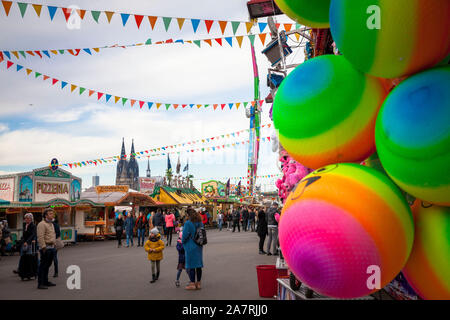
108 272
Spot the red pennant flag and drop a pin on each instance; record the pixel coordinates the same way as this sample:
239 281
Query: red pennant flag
9 64
46 77
184 105
1 56
91 92
70 165
138 19
67 12
277 25
141 103
219 40
72 53
39 54
99 95
7 6
54 81
222 106
209 24
261 102
268 138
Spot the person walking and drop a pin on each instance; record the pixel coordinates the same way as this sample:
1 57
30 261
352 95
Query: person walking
118 225
272 226
220 220
169 219
262 230
140 227
204 216
129 227
251 219
6 237
28 257
46 237
236 219
158 221
154 247
230 219
181 258
55 256
194 252
245 219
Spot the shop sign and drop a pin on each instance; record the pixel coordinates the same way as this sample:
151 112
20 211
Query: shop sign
7 189
25 189
68 234
147 185
48 190
213 189
105 189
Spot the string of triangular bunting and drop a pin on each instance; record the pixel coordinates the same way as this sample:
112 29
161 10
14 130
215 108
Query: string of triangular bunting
70 13
240 178
107 97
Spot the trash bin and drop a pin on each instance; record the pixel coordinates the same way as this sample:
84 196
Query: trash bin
267 280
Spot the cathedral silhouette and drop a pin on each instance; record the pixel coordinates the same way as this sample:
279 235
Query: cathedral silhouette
127 170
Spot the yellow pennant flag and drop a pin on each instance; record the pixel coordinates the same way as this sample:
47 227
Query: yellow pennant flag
180 22
37 8
158 105
54 51
96 49
237 105
72 87
116 99
109 15
249 26
199 106
15 53
239 40
29 71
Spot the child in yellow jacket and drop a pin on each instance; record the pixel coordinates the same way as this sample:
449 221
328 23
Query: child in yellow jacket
154 246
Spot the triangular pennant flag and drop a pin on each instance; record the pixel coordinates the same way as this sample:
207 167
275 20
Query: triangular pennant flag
116 99
235 25
223 26
223 105
29 52
124 100
199 106
63 84
52 11
219 40
175 106
158 105
88 51
262 36
99 95
107 96
167 21
262 26
15 54
9 64
95 15
208 41
197 42
23 7
82 90
109 15
261 102
19 67
125 17
67 12
167 106
138 19
46 53
152 21
54 81
252 38
39 54
237 105
245 104
277 25
208 24
149 105
132 102
141 103
180 22
91 92
249 26
61 51
239 40
184 106
81 13
287 26
195 23
229 40
37 8
191 105
230 105
8 55
72 87
22 53
215 106
55 52
7 6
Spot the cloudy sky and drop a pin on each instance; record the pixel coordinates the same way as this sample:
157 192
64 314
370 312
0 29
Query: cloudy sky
39 121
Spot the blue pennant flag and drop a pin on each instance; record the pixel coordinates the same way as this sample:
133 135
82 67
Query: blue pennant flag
52 11
229 40
262 26
46 53
63 84
7 54
108 96
19 67
149 105
195 23
125 17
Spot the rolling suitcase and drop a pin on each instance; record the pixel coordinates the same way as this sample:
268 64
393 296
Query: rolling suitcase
28 264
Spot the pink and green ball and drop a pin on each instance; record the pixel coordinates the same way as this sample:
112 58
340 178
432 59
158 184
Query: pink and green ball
428 267
311 13
339 221
413 35
412 135
325 112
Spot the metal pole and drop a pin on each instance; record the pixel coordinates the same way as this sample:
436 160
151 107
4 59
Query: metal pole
254 128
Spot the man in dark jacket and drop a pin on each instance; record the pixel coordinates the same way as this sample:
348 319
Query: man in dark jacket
251 219
261 229
244 219
272 226
140 227
129 228
118 225
158 221
236 218
55 256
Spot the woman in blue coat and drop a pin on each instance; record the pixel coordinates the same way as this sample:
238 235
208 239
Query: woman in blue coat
194 252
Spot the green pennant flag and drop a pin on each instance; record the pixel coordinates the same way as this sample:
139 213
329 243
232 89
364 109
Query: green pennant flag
167 106
124 100
61 51
252 38
203 149
298 26
245 104
206 105
197 42
37 74
149 41
82 90
23 53
95 15
235 25
22 7
167 22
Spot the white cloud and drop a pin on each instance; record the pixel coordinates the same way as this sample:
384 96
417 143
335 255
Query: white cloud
3 127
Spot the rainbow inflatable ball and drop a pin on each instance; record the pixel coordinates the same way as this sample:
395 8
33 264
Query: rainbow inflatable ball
412 135
428 266
325 112
389 39
311 13
340 224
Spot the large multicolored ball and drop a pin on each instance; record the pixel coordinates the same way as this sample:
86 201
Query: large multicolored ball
389 39
342 222
428 266
311 13
412 135
325 112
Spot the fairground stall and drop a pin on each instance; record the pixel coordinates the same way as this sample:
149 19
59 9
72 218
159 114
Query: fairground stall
180 198
36 190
